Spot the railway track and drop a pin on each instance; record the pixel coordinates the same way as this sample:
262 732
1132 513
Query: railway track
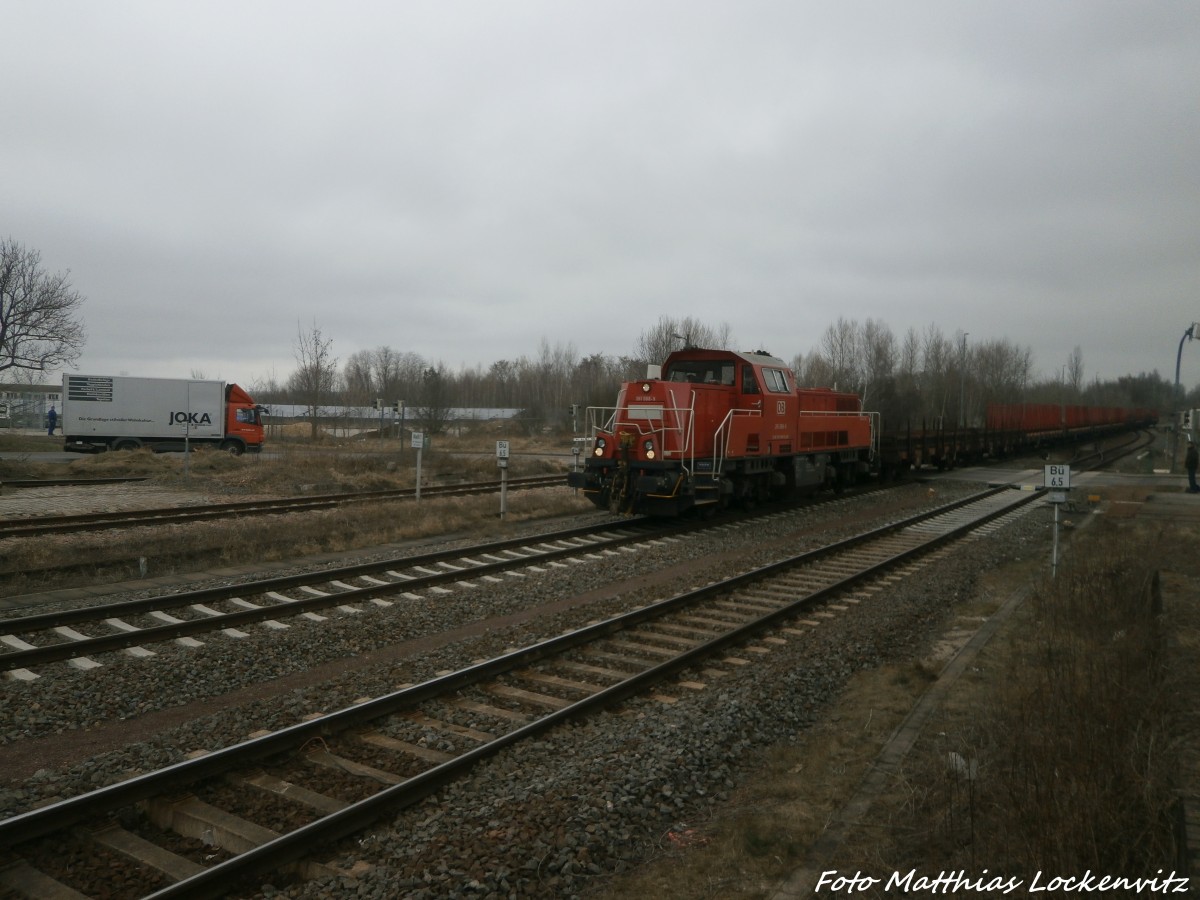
319 781
77 635
70 482
45 525
1104 457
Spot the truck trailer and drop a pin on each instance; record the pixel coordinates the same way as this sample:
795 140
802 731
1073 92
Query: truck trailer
118 412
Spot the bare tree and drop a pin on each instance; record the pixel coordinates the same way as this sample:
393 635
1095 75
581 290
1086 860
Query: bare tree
434 400
937 375
553 378
410 373
356 376
267 388
654 344
382 373
1075 371
316 374
1001 371
385 373
840 346
502 379
39 328
878 352
813 370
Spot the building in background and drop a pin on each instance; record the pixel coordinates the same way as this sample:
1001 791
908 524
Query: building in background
26 405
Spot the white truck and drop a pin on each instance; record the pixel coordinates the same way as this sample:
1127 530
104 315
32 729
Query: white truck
118 412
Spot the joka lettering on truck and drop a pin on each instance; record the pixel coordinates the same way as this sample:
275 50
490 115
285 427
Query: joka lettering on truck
187 418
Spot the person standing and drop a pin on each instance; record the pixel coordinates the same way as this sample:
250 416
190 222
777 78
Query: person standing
1190 461
51 421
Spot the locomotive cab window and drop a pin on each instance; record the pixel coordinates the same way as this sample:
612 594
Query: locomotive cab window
776 380
749 382
701 372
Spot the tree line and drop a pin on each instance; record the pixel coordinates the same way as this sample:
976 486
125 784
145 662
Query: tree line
921 379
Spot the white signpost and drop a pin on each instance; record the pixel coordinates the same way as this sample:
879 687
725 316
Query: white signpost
1058 481
418 442
502 463
577 445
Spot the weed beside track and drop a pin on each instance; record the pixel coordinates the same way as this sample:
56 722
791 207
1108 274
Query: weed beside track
1065 747
289 469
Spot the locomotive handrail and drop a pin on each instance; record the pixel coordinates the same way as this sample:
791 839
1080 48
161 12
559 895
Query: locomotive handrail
721 444
688 448
685 423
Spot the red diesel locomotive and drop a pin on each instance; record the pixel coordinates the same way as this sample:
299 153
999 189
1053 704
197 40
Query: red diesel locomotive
710 427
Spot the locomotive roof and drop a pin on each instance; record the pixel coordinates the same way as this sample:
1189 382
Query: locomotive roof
757 357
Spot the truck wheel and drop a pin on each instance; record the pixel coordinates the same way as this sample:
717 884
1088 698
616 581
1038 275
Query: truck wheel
233 448
126 445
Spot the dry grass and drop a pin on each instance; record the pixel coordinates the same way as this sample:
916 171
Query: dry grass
292 468
35 564
1073 722
1065 760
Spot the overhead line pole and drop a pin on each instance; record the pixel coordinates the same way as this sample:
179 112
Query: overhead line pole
1187 336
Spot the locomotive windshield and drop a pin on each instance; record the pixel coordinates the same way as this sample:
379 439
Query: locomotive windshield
701 371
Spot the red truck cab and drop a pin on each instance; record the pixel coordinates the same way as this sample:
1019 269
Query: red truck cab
243 420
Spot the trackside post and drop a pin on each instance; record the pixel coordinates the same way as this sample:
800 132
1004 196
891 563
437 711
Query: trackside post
418 442
502 464
1057 479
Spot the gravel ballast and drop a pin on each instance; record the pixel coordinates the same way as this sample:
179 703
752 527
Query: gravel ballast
549 817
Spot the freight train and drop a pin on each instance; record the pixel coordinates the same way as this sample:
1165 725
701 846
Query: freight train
1009 429
1051 418
710 428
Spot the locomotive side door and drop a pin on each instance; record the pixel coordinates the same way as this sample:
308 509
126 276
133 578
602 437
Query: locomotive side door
781 410
746 427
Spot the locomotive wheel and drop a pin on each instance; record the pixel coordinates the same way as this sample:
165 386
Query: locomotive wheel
839 480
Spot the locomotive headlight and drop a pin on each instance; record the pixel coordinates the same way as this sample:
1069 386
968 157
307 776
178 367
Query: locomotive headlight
600 445
649 448
645 387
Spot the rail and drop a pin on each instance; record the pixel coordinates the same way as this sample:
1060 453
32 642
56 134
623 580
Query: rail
62 524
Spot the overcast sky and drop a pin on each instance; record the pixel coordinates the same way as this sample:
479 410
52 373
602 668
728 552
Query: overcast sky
465 180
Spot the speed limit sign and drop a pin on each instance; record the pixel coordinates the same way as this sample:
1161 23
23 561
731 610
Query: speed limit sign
1058 477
